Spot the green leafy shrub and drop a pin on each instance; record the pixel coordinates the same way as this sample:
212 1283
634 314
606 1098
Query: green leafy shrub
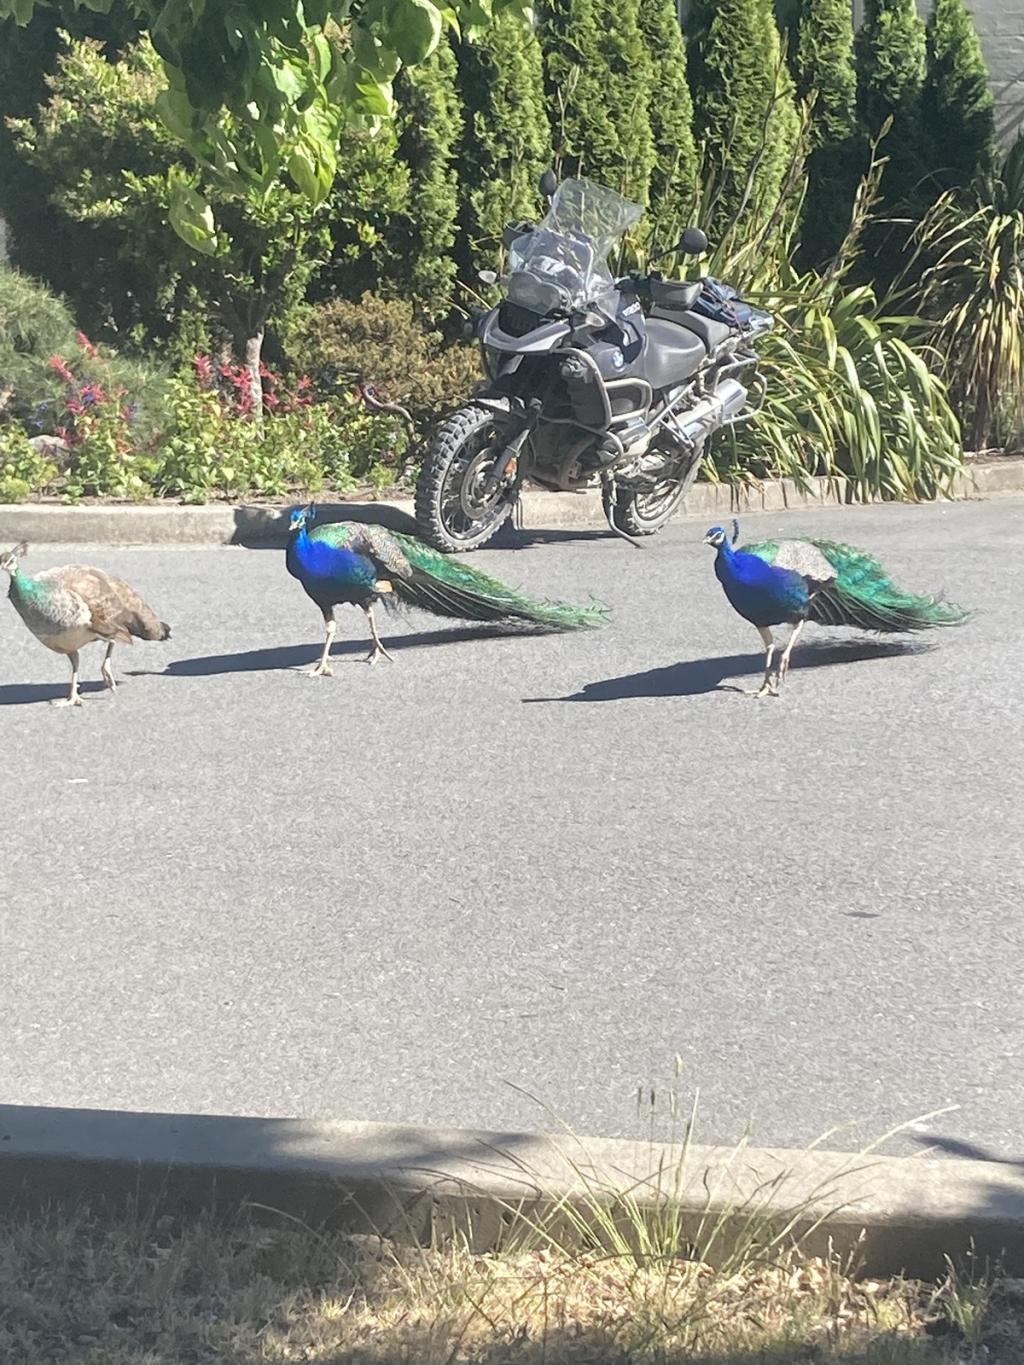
847 393
423 230
848 397
670 109
958 107
380 342
216 449
506 141
743 108
972 292
598 77
211 444
23 469
108 158
35 327
891 51
826 78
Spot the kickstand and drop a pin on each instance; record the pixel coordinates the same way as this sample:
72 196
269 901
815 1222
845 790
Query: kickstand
608 503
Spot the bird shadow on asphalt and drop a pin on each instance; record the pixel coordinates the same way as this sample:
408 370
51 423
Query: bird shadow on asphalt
968 1151
283 657
694 677
509 538
25 694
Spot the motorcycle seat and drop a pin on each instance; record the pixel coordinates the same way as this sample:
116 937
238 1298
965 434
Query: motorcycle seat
672 353
711 332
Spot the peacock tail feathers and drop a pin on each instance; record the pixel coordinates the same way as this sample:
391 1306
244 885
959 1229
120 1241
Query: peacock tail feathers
440 580
422 577
862 593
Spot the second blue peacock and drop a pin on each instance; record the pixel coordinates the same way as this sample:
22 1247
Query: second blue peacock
361 564
780 582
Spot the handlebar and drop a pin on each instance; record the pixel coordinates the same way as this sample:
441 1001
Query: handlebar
517 228
638 285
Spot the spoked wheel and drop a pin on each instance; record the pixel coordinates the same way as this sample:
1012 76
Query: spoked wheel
457 507
643 513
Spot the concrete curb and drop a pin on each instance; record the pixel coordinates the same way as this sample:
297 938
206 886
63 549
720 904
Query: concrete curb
256 524
895 1214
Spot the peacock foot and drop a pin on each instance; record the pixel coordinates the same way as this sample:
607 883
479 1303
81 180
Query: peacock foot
67 701
377 652
320 671
767 689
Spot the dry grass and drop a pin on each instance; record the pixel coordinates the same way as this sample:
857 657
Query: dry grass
139 1291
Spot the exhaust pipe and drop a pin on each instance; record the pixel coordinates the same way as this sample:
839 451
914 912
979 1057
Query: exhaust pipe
712 412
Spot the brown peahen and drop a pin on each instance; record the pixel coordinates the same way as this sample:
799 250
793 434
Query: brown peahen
69 607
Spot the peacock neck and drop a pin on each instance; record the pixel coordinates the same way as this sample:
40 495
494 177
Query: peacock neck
725 559
23 587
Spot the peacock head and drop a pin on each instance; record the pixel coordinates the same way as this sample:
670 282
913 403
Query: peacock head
301 516
718 535
9 560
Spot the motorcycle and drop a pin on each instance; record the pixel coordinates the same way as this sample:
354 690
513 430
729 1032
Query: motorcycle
591 380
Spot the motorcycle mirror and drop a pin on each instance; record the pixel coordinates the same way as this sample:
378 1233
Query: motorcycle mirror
548 184
693 242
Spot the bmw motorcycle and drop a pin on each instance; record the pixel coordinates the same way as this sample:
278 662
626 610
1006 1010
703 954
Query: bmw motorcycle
592 381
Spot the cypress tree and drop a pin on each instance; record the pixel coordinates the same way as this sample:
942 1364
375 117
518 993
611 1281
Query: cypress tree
506 142
957 103
430 129
890 77
744 114
597 76
826 74
670 109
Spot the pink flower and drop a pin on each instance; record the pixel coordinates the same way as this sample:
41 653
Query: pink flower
86 344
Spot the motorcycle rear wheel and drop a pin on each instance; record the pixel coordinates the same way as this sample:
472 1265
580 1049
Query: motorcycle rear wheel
455 512
646 513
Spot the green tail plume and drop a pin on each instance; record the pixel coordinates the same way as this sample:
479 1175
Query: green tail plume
863 595
448 586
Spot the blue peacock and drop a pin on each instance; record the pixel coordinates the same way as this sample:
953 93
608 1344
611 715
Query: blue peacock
776 582
361 563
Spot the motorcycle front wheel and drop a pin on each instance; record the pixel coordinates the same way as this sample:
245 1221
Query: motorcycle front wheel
456 508
645 513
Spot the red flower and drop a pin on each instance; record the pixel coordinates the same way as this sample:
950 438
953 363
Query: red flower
86 344
60 365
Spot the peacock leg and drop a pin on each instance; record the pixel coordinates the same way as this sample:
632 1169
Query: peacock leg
106 672
784 663
378 651
323 668
72 699
767 688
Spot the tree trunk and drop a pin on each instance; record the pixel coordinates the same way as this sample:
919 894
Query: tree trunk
253 355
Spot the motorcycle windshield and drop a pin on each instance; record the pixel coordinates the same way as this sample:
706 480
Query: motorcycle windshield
563 262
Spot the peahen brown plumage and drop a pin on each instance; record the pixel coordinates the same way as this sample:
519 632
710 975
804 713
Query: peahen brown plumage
70 607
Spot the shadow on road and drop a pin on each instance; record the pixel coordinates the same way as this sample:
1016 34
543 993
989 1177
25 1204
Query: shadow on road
693 677
297 656
509 538
25 694
967 1151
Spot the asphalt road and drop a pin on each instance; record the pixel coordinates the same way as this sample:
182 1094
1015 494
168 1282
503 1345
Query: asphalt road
503 874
